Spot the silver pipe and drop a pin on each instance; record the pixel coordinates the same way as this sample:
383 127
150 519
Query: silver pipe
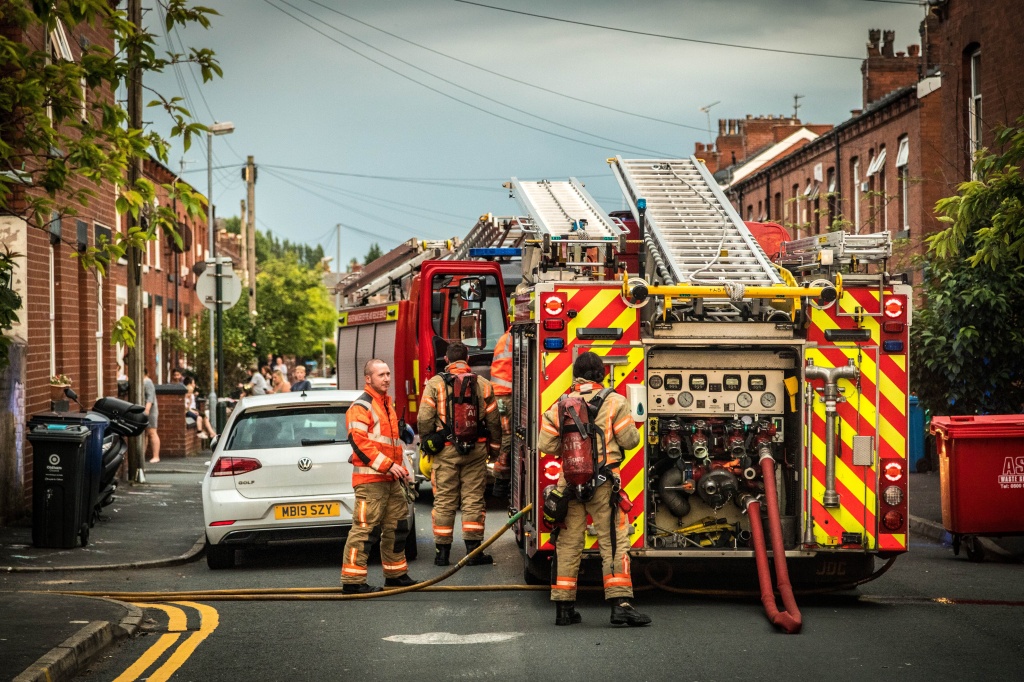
830 397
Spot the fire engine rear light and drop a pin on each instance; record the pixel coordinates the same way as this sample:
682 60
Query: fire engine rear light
893 471
893 327
234 466
892 520
554 344
554 325
892 346
552 469
893 496
223 523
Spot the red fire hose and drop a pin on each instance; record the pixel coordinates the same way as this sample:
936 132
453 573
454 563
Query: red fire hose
790 620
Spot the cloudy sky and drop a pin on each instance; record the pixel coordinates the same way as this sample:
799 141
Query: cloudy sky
437 102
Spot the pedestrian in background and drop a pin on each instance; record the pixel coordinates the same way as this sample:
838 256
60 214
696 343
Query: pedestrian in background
379 478
203 428
459 478
256 385
279 384
153 412
301 383
280 366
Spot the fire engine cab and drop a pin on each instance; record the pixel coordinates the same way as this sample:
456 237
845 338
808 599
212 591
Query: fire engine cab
758 386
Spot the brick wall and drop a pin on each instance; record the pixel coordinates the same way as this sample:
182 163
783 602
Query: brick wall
176 438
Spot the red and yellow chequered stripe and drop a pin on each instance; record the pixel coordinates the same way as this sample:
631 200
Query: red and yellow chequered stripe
878 409
601 306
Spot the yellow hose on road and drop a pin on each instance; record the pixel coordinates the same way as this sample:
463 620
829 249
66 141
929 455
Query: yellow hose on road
324 593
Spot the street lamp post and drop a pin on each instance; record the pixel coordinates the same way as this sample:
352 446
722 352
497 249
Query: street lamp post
223 128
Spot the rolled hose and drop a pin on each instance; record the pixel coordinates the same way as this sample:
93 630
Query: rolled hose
790 620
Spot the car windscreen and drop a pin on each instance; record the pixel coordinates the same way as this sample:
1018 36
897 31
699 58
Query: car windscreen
287 427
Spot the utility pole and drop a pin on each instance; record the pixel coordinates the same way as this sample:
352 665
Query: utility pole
250 255
136 356
243 248
337 271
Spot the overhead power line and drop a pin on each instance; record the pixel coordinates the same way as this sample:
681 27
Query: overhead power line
506 77
661 35
441 92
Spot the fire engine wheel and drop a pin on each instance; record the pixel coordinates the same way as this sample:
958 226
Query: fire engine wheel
975 552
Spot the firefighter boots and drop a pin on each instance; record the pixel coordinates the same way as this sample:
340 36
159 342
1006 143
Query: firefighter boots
567 613
500 488
623 613
358 588
401 581
441 554
480 559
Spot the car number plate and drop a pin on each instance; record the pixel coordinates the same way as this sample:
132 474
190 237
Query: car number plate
307 510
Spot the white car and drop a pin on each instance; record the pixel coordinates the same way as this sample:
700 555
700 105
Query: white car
281 472
323 384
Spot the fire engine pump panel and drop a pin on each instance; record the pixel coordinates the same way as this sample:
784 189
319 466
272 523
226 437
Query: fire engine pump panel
711 415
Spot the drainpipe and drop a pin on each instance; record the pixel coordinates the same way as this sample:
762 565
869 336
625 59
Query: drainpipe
831 396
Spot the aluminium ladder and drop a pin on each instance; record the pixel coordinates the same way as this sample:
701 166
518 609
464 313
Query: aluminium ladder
557 209
491 232
847 250
691 224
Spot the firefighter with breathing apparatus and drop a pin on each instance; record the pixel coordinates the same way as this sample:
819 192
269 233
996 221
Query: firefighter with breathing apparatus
589 429
459 427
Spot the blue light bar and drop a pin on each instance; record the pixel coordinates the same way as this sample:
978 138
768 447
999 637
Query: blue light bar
495 252
892 346
554 344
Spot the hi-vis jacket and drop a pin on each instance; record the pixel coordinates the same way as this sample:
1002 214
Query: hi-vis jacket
614 418
376 442
433 413
501 366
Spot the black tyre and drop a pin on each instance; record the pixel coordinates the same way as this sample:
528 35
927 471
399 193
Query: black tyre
219 557
83 534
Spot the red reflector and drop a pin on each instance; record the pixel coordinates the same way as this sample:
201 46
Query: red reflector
233 466
892 520
893 327
893 471
222 523
554 325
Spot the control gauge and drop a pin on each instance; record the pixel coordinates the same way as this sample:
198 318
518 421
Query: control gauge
685 399
655 381
768 400
744 399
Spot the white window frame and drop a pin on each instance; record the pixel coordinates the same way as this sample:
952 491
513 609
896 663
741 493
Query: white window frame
876 163
856 195
903 178
99 333
974 110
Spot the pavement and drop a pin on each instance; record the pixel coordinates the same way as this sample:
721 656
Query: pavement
53 637
159 523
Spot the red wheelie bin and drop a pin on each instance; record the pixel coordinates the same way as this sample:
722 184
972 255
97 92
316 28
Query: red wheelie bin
981 468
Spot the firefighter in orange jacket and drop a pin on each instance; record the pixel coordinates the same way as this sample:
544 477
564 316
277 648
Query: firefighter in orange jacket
620 433
382 510
501 380
458 479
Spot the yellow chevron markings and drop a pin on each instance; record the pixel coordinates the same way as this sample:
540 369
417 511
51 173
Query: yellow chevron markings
599 301
901 361
558 386
894 393
893 436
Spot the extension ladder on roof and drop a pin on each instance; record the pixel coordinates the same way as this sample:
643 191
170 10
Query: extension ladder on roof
491 232
692 225
557 209
847 249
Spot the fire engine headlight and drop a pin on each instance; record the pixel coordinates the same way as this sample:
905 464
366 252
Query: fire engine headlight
893 496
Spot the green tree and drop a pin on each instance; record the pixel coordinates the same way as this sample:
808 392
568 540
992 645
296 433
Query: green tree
373 254
62 138
233 225
969 340
295 311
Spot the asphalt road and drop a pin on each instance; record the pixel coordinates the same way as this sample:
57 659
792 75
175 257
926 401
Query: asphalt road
930 615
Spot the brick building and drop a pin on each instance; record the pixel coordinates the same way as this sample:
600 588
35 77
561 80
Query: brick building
875 171
741 139
68 312
977 49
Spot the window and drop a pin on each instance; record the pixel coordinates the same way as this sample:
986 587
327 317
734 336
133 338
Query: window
974 108
855 192
777 209
903 187
794 213
284 428
750 211
830 177
455 319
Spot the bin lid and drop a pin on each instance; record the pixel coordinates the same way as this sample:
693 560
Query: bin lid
979 426
57 432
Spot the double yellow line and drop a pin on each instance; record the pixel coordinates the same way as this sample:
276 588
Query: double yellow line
176 625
